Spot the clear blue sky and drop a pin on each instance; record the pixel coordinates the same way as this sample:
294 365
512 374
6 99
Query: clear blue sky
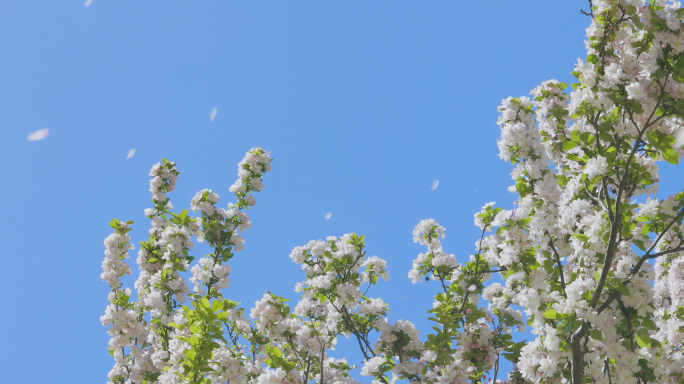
363 104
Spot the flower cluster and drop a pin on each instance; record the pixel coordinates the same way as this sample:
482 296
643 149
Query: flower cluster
221 227
151 338
255 163
164 176
126 329
428 232
117 246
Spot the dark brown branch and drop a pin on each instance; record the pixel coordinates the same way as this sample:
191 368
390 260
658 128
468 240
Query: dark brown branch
591 10
663 253
560 266
663 232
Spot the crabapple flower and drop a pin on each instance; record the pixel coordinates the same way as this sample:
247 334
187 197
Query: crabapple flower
596 167
636 91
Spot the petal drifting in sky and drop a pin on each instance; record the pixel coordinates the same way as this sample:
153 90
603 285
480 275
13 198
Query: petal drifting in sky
38 135
435 184
131 153
328 216
87 3
213 113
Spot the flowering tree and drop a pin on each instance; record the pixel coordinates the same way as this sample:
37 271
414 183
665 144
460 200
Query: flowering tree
597 277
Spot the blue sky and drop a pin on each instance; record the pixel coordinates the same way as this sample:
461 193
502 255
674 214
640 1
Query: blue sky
363 105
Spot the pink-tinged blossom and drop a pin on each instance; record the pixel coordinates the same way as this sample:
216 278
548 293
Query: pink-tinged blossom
372 365
377 266
636 91
596 167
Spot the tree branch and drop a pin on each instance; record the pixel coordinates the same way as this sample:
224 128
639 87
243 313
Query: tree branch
591 10
560 266
663 232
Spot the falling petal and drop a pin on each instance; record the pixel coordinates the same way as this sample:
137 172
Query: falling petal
131 153
87 3
38 135
328 216
680 138
213 113
435 184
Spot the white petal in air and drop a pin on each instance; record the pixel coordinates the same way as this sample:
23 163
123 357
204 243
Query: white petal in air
87 3
213 113
680 138
131 153
328 216
38 135
435 184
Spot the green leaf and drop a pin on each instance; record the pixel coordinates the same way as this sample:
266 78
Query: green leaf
193 340
637 108
653 138
642 338
274 352
622 289
614 114
639 244
605 137
190 355
670 155
569 145
646 229
217 305
649 324
575 136
582 237
562 180
512 357
205 303
514 350
596 335
230 304
550 314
